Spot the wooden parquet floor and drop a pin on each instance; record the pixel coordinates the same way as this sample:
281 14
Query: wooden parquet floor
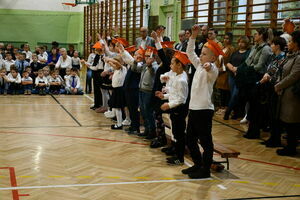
59 149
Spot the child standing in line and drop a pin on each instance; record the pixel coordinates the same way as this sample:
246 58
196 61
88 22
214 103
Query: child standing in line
177 95
73 83
76 61
117 101
27 83
54 82
41 83
14 80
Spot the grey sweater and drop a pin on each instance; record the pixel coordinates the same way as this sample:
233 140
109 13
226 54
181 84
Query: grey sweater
147 75
259 57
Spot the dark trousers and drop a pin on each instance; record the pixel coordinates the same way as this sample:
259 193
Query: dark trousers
292 130
178 116
88 85
273 115
97 82
199 128
14 87
54 88
62 72
132 102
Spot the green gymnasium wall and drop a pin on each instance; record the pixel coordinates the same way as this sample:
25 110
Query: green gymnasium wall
35 27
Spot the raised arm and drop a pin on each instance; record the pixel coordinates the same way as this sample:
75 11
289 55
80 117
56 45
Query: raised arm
191 47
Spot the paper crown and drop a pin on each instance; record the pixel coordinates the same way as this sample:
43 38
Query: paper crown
97 45
214 47
150 50
131 49
288 26
168 44
122 41
182 57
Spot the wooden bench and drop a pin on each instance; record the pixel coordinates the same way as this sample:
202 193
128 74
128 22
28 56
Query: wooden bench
225 152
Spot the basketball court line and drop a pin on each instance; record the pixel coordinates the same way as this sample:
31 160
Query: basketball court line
62 106
102 184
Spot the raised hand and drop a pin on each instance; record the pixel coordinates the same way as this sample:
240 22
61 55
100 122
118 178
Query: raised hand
154 35
195 31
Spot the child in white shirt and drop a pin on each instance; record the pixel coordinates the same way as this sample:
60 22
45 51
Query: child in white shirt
76 61
73 83
41 82
27 83
54 82
8 61
14 80
3 81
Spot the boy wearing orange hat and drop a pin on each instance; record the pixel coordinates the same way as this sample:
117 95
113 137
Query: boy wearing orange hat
131 85
148 71
97 68
200 106
176 105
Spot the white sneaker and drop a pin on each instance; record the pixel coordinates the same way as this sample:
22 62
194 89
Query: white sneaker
109 114
244 120
126 122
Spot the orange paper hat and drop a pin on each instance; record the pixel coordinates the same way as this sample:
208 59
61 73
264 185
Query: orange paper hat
288 26
121 41
182 57
168 44
131 49
97 45
151 50
141 51
214 47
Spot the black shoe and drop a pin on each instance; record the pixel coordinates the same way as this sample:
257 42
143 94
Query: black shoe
158 142
191 169
93 107
200 173
271 143
166 149
151 135
144 134
116 127
133 132
286 152
248 136
170 152
226 116
175 161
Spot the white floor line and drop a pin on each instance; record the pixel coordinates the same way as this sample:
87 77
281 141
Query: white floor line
102 184
90 98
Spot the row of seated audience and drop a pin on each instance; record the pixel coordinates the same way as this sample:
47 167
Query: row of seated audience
25 72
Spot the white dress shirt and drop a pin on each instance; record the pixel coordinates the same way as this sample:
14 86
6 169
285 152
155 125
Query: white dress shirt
41 80
28 54
76 61
55 80
61 63
178 90
11 79
119 77
70 80
26 79
203 81
8 63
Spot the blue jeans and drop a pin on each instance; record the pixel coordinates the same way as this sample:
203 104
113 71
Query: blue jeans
234 94
147 110
3 88
27 87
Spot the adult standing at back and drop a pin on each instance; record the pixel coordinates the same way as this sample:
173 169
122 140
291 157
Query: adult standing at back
144 40
63 62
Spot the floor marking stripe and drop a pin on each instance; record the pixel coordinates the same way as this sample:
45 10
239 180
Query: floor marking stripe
69 136
102 184
90 98
62 106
